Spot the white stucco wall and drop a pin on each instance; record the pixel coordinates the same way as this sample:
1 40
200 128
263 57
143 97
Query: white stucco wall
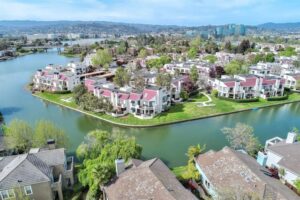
272 159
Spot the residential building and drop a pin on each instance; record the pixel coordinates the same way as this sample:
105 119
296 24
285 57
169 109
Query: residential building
39 174
266 69
292 81
229 174
149 179
283 155
58 78
146 104
249 86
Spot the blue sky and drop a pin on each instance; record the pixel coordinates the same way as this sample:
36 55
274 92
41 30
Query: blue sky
177 12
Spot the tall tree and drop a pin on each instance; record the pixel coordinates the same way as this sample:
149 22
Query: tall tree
196 42
142 53
228 46
101 150
122 77
192 53
102 58
19 135
242 137
139 83
45 130
164 80
194 74
235 67
243 46
78 92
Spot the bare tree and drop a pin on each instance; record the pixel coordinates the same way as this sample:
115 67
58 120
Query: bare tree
241 137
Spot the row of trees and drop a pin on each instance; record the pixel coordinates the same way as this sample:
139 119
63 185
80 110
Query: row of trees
98 152
158 63
20 136
244 47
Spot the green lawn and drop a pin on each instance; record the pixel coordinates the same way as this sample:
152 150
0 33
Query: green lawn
179 112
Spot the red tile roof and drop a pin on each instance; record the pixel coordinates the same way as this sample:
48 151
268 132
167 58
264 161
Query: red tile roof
105 93
230 84
123 96
268 81
250 82
134 96
149 94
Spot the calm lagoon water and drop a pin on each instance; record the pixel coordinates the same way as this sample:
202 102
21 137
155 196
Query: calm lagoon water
167 142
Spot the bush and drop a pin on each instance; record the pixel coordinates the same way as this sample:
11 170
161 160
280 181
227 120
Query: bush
215 93
287 90
60 92
285 97
240 100
184 95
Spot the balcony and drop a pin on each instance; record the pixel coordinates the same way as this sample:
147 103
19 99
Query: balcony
68 173
57 184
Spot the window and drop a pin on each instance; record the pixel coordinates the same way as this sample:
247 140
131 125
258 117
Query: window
7 194
28 190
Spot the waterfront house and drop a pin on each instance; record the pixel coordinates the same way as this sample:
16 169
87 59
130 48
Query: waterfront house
229 174
291 80
284 156
39 174
58 78
249 86
149 179
146 104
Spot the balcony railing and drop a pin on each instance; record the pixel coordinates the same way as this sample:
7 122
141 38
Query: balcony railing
70 163
57 184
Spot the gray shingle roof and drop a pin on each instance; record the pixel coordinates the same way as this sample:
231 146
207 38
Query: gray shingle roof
30 168
290 154
151 179
26 168
52 157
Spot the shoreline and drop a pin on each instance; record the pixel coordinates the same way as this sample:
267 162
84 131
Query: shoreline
166 123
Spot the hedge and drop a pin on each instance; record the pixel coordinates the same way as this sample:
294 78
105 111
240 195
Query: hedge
240 100
285 97
60 92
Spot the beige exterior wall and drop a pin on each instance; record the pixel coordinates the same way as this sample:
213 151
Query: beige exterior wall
42 191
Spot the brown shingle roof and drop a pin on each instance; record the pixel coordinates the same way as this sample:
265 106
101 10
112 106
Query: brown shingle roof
151 179
230 170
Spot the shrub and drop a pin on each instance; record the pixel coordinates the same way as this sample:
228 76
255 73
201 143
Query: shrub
60 92
215 93
240 100
285 97
184 95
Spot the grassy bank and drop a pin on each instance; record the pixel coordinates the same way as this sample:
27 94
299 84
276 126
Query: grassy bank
70 55
178 113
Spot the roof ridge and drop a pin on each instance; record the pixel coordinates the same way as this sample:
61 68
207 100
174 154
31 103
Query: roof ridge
12 165
38 164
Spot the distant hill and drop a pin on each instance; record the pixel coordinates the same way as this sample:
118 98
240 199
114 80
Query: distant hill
17 27
281 27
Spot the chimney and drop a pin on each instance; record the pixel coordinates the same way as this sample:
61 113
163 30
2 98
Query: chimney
120 166
291 137
51 144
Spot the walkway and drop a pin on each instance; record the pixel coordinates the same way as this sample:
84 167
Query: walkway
207 103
